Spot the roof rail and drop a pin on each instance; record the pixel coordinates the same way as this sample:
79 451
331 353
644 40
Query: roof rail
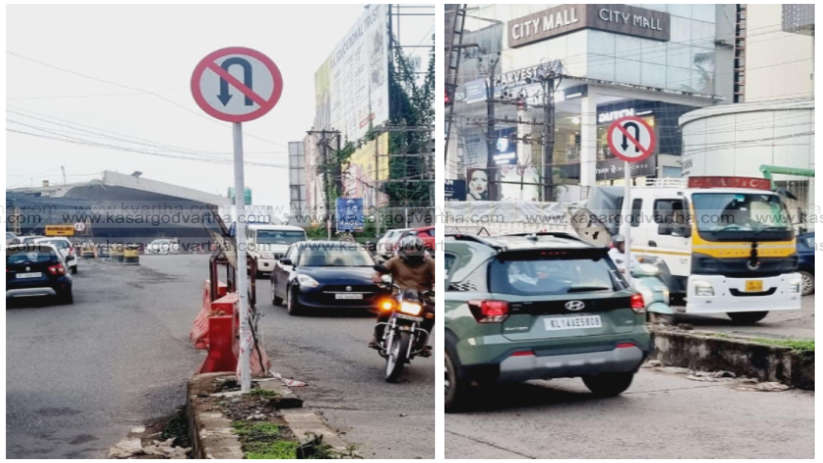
667 182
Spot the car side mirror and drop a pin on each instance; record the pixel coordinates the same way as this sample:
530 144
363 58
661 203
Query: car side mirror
286 261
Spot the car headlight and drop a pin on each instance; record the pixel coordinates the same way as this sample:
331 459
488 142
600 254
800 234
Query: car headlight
810 242
307 281
703 288
411 308
666 295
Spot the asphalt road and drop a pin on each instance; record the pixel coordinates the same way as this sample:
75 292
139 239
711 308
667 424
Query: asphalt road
792 324
662 415
345 380
79 376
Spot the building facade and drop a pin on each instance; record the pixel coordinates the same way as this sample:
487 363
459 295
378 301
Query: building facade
575 68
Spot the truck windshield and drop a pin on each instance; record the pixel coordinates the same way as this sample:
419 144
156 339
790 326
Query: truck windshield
280 236
741 216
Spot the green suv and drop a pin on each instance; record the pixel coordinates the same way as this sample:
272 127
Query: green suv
538 306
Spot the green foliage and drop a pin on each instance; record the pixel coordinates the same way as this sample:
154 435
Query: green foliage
411 104
263 440
798 345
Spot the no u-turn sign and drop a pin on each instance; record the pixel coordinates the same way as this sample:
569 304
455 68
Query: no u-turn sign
631 139
236 84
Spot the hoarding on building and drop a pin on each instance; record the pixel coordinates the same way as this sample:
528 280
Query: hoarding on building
368 166
559 20
351 87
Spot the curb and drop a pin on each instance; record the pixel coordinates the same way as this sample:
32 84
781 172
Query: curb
211 432
704 351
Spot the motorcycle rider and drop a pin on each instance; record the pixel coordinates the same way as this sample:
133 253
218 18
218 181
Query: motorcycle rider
618 253
411 268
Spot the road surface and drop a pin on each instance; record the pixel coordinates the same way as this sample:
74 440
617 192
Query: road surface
662 415
79 376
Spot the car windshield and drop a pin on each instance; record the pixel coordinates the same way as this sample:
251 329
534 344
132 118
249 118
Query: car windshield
280 236
334 256
60 244
551 276
736 212
29 255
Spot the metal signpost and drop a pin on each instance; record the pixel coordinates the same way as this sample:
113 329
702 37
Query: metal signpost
220 93
632 140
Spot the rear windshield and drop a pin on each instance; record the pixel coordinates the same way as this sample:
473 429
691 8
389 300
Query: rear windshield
58 243
29 256
280 236
553 276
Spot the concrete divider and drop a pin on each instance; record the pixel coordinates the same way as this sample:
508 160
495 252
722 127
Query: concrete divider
744 357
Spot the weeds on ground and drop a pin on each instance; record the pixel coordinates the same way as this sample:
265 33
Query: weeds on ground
264 440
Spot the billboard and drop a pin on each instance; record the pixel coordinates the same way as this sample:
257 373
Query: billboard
368 166
351 87
349 214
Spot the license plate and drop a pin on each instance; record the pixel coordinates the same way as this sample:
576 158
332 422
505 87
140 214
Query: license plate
753 286
348 296
30 275
572 323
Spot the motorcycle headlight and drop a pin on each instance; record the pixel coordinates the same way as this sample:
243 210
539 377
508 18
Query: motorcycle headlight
411 308
307 281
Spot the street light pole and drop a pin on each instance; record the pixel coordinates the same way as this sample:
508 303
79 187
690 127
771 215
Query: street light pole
241 271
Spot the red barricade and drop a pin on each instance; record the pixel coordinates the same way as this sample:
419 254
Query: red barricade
200 328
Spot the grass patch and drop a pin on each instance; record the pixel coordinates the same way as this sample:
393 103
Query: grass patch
264 440
263 393
796 345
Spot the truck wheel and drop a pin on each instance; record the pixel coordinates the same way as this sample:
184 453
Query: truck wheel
608 384
747 318
807 283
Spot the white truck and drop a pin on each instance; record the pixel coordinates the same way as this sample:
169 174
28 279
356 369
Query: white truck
266 243
724 244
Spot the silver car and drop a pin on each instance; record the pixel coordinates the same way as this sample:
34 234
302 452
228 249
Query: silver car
65 248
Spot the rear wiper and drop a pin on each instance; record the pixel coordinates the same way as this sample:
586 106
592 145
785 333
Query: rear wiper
579 289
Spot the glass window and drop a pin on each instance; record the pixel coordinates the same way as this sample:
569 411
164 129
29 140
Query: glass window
551 276
627 71
669 211
637 204
653 51
680 30
684 10
677 78
679 55
704 12
653 75
702 34
280 236
334 255
601 67
601 43
450 260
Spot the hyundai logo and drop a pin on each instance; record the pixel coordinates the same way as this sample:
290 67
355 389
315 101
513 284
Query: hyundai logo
574 306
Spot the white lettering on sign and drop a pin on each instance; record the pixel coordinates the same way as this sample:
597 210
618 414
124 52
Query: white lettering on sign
546 23
610 116
636 20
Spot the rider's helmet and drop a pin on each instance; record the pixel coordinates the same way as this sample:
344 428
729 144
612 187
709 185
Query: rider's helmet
411 250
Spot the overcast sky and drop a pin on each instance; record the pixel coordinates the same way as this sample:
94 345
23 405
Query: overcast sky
154 48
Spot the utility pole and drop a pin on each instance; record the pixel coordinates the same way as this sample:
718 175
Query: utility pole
323 143
491 140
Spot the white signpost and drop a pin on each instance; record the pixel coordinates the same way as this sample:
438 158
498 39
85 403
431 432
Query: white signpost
631 139
238 84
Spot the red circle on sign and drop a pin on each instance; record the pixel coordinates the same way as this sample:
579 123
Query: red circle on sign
203 65
645 151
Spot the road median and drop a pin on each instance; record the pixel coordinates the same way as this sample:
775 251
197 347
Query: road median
268 422
790 362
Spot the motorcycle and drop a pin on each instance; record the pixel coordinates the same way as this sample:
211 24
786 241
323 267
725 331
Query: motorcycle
646 279
403 337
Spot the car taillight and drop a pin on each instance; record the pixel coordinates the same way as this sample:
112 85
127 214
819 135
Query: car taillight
489 311
637 302
624 345
57 269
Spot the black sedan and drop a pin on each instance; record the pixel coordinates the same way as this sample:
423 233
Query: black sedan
36 270
805 261
324 275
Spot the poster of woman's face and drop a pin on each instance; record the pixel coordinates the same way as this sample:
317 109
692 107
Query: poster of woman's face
478 185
